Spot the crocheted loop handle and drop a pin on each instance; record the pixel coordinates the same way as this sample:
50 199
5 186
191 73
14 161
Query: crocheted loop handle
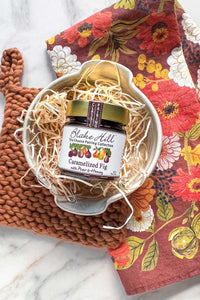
11 69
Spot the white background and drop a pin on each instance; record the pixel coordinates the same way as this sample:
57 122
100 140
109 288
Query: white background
41 268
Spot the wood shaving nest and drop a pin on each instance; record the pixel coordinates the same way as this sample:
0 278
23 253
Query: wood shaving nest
45 131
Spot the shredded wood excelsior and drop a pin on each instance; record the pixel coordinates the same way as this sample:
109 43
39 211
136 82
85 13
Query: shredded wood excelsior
45 134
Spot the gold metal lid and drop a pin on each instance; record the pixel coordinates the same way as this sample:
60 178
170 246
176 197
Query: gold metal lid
111 112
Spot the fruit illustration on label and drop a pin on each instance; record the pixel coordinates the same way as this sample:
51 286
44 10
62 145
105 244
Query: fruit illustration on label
79 149
88 154
102 154
84 150
106 159
70 154
95 154
74 152
80 154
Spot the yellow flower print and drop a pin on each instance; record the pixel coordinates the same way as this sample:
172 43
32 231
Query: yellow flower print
126 4
142 59
155 87
194 155
164 74
142 85
157 74
141 62
139 81
96 57
139 77
51 40
158 67
151 66
141 67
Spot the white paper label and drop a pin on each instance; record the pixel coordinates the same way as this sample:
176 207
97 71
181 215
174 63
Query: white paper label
91 151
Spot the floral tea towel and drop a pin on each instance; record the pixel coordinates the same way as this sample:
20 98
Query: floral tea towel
160 43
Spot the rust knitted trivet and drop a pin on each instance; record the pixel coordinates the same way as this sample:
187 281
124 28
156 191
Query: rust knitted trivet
34 208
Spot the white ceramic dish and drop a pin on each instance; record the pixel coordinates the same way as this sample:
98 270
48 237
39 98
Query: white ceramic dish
154 138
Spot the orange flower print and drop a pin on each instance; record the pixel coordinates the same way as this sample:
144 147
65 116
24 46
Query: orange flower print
120 256
174 106
96 25
187 185
141 197
160 35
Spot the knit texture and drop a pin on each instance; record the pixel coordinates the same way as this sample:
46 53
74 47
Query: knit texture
34 208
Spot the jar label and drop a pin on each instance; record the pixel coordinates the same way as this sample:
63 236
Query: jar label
91 151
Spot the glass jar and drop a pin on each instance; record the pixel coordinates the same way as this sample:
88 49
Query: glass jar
93 140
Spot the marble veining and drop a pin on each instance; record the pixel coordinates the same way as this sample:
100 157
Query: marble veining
34 267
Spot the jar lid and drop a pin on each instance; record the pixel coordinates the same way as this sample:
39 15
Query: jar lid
110 112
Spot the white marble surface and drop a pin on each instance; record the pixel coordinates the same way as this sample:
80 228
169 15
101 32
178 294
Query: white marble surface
41 268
